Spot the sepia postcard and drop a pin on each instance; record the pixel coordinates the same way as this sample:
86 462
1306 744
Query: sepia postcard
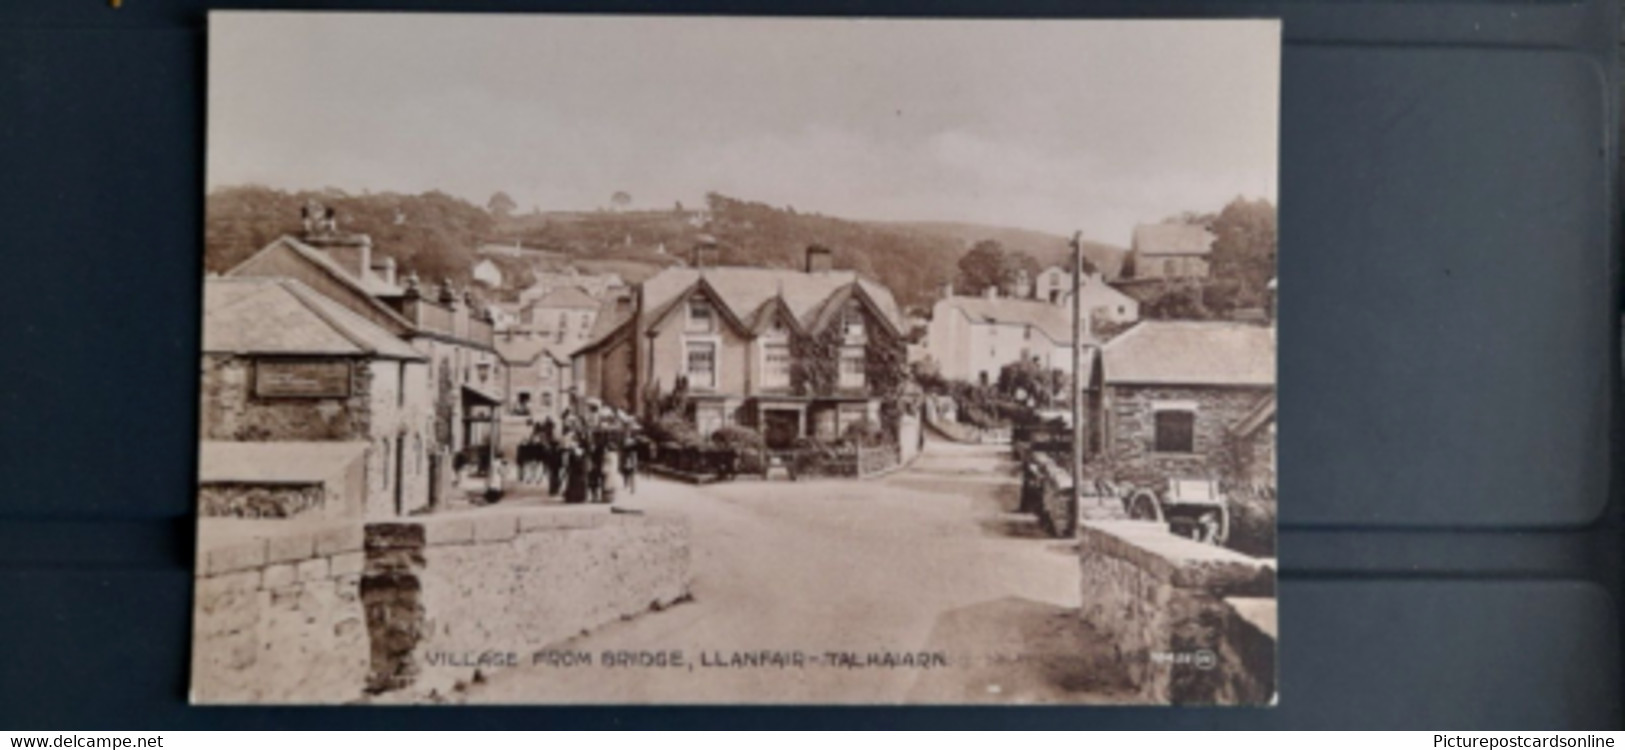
705 360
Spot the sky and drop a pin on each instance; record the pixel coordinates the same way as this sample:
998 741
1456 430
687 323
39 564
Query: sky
1056 126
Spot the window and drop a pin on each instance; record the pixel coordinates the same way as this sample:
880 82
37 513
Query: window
702 364
852 319
547 401
853 367
485 372
1175 430
701 318
776 365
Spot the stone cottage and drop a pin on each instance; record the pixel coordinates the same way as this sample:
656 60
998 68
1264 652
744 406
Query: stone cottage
1186 399
285 367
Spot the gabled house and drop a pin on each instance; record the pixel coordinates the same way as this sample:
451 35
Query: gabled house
1102 301
563 316
791 353
1186 398
540 378
1169 251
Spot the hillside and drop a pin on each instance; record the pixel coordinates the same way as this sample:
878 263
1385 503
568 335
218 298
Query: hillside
439 236
1047 249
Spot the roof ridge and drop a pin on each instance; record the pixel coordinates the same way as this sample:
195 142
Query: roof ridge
344 278
300 291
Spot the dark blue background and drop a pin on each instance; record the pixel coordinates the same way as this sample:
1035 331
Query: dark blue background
1449 370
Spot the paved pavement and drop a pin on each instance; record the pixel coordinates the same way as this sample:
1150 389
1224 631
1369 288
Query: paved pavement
925 563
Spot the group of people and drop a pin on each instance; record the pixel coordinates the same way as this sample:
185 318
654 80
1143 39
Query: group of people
586 458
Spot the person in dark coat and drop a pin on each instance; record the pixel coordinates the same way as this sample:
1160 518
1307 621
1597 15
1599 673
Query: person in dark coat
575 475
595 470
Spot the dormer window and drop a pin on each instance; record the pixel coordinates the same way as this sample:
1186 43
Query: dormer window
701 317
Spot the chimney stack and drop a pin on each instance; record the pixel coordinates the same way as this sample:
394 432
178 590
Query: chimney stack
352 252
991 292
385 268
819 259
705 252
948 290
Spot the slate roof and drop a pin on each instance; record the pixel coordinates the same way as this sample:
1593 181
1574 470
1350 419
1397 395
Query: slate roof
744 290
566 296
525 350
1189 352
1172 239
290 462
271 315
1097 294
369 291
1054 320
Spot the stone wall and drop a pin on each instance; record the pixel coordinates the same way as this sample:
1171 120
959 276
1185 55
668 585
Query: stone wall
279 619
520 581
231 411
1161 600
247 500
335 614
1131 429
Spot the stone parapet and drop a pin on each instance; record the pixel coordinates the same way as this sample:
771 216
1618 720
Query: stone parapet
303 614
278 616
1161 599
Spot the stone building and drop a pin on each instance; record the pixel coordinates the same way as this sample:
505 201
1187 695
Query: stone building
1188 399
791 353
1169 251
285 367
442 323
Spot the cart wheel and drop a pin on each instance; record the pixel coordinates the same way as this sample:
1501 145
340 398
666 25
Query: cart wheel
1143 506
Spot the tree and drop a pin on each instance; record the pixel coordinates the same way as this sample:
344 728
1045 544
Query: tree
1244 248
982 267
621 199
501 205
988 264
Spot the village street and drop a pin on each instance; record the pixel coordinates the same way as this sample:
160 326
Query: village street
927 559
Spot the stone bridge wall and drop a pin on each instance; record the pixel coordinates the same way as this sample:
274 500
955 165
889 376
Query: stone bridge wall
1162 599
336 613
503 585
279 619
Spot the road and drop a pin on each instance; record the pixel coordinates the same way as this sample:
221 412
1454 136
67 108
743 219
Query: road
927 559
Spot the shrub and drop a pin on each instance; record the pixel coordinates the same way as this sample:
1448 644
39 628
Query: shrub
745 443
865 432
674 430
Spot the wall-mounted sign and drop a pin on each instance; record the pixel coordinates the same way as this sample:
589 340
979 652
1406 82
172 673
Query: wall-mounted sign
301 379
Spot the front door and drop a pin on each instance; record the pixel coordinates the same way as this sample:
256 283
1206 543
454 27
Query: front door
781 427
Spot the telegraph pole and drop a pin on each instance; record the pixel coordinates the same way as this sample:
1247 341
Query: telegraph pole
1077 380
